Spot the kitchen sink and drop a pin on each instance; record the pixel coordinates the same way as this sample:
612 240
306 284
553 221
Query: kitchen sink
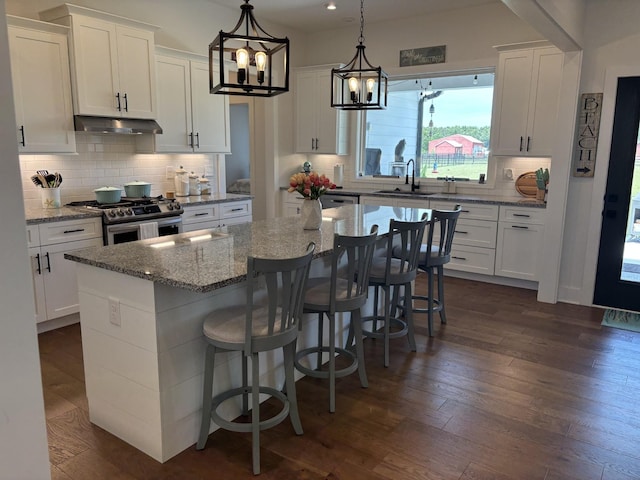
405 192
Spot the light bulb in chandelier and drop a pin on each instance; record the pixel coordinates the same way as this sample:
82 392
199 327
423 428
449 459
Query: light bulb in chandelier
371 83
242 60
353 88
261 63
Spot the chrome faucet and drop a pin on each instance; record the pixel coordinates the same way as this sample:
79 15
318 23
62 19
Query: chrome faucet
414 187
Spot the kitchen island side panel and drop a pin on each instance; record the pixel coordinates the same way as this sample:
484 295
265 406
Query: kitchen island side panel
144 377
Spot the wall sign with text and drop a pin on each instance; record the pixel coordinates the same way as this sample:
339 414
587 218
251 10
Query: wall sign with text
423 56
588 127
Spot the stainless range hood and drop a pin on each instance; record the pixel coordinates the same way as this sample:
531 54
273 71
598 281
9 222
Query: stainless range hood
85 123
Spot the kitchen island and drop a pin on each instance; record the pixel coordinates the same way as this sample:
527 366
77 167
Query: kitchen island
142 305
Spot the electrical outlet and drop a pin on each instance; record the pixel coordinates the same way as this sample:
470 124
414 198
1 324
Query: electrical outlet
171 173
507 174
114 311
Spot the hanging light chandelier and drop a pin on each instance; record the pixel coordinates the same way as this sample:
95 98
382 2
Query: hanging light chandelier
248 61
358 85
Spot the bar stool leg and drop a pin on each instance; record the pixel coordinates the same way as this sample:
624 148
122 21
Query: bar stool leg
245 383
320 332
289 352
356 328
443 316
408 316
430 300
255 412
387 321
332 363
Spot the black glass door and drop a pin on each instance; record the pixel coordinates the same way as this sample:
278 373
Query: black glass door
618 273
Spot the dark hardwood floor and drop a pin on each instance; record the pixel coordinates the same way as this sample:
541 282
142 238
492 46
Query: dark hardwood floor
509 389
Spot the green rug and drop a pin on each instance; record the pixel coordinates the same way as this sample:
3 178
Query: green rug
621 319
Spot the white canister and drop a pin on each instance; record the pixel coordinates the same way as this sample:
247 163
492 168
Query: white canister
194 184
205 186
181 182
338 174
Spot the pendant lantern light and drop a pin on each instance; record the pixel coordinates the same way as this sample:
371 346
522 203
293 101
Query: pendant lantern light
248 61
358 85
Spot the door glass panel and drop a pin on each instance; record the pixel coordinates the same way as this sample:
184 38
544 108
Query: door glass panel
631 257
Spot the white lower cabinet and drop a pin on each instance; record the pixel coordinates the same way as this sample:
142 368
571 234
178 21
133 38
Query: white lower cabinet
474 240
215 215
291 204
54 278
520 232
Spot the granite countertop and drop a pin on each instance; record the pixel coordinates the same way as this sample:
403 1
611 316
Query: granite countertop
35 216
450 197
206 260
38 215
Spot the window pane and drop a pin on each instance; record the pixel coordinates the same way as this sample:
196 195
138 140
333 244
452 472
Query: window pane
444 123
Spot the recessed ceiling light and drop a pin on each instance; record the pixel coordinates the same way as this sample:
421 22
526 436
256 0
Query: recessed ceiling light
330 6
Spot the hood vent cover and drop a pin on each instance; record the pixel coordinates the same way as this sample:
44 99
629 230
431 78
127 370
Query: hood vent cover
84 123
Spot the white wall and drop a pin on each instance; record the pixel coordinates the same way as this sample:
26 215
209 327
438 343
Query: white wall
23 436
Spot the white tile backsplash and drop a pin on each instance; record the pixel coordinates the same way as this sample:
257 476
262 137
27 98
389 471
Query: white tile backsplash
110 160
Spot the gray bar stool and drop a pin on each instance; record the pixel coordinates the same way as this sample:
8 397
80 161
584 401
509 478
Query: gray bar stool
433 256
258 326
344 291
398 268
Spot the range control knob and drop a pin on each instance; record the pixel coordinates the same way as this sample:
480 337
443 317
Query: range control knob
111 213
128 211
177 206
170 206
120 212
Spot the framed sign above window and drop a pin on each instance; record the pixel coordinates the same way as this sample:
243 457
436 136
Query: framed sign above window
423 56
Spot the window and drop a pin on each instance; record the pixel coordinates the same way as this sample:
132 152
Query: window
442 122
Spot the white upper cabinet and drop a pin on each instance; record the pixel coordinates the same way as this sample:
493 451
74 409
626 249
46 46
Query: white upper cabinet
320 128
112 58
526 101
41 86
192 119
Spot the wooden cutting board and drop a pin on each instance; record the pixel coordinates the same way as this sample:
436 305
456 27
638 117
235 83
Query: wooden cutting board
526 184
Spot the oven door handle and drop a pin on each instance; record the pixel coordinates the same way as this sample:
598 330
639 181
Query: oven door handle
165 222
122 228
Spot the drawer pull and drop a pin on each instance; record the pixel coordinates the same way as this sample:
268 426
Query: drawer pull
39 266
48 261
22 142
464 211
461 231
201 214
520 227
74 231
459 258
522 215
239 209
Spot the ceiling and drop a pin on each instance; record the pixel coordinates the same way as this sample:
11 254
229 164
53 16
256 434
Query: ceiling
312 15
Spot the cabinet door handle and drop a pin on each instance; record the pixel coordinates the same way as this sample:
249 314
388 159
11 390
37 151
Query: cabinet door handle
22 141
201 214
126 103
198 140
464 211
118 98
520 227
239 209
459 258
317 142
191 139
48 261
522 215
521 139
528 142
74 231
313 142
39 266
461 231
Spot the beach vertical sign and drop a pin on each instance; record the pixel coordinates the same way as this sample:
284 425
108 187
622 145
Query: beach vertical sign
588 127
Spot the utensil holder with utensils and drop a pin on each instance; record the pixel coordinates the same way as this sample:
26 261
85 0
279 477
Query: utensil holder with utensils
50 197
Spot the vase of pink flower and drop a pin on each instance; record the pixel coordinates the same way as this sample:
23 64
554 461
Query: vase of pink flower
311 187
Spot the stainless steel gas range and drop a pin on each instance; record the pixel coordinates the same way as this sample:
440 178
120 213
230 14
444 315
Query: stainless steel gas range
134 219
